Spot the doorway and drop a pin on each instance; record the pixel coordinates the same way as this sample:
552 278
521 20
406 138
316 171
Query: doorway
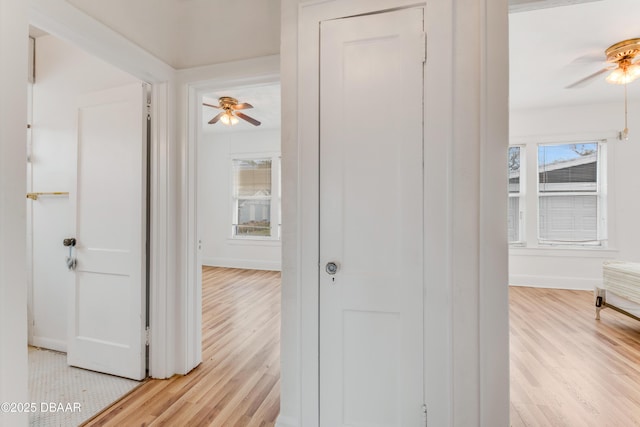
63 74
564 226
227 231
238 206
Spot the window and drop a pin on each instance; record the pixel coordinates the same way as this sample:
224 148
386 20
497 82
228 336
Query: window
254 204
516 191
570 193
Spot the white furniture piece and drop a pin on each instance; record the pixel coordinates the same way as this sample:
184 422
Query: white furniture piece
620 288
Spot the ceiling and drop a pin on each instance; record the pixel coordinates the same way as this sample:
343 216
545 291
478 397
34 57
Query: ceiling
266 108
552 44
191 33
553 47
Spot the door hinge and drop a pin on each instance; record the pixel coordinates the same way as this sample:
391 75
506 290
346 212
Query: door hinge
424 414
424 48
147 335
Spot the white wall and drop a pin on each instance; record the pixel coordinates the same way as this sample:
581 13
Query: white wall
13 290
581 268
63 72
214 157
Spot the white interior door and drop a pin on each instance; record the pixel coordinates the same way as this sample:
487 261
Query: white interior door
371 213
107 301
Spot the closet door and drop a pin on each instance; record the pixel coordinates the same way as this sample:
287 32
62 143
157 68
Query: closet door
371 216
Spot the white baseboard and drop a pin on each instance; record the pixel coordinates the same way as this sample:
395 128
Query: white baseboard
554 282
49 344
283 421
250 264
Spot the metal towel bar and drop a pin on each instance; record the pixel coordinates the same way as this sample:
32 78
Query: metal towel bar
34 196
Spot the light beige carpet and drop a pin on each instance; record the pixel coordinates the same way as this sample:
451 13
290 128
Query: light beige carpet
67 396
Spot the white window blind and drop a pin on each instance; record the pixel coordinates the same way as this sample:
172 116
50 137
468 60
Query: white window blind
569 193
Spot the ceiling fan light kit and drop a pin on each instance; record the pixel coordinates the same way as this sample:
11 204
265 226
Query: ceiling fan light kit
625 73
624 70
230 114
229 119
623 54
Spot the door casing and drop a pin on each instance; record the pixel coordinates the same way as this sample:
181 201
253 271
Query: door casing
303 339
61 19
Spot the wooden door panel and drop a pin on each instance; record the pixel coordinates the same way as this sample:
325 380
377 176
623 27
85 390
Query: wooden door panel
371 213
107 320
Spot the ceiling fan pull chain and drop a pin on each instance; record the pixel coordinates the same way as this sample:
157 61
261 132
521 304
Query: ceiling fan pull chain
626 112
624 135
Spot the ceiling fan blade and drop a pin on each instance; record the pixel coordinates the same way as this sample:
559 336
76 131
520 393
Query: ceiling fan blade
216 118
589 58
209 105
243 106
588 79
249 119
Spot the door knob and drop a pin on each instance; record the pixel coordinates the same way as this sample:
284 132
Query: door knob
331 268
71 261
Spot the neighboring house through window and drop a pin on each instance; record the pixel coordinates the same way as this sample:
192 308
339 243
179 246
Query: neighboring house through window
569 193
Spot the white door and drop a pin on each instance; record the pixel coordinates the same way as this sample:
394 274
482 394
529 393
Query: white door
371 213
107 301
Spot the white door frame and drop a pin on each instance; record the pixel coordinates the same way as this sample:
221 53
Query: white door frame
62 20
310 16
196 83
466 111
13 174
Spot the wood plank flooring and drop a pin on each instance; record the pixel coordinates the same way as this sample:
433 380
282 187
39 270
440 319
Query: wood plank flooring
238 382
568 369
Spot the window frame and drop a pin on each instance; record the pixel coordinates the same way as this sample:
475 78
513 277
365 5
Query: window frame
600 194
274 198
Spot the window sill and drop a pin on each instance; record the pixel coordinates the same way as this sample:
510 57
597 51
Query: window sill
253 241
573 251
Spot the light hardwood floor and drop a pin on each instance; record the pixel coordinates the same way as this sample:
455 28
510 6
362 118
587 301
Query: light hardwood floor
568 369
238 381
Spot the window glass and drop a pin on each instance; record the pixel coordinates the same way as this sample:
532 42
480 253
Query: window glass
514 169
568 167
513 218
252 197
254 218
568 202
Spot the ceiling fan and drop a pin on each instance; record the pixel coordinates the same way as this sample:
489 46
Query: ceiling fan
230 114
623 65
624 68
